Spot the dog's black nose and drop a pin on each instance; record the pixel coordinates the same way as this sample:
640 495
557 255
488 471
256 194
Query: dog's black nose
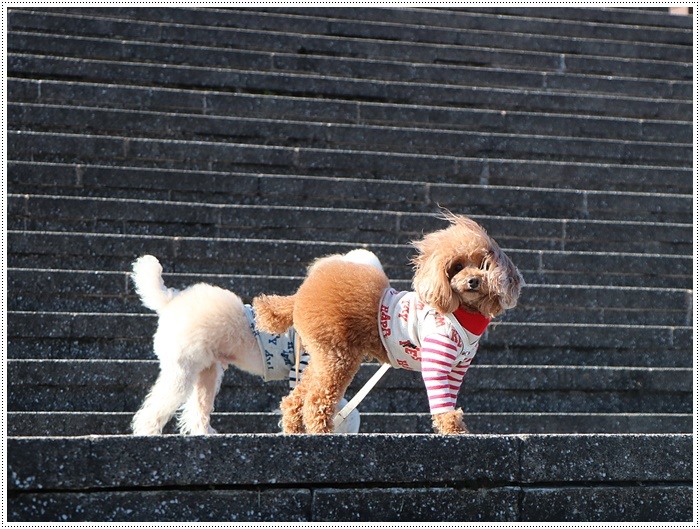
473 283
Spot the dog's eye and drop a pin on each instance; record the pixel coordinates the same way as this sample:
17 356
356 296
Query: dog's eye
486 265
455 269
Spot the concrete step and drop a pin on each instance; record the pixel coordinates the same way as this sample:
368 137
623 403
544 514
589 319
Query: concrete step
438 26
146 125
632 17
207 156
97 251
59 335
370 194
536 21
448 47
574 194
59 290
308 109
121 386
104 215
339 87
664 80
253 478
70 424
136 326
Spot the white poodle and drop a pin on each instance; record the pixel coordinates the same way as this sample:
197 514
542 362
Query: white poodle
202 330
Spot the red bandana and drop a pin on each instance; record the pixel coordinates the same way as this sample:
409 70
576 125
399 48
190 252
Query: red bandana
474 322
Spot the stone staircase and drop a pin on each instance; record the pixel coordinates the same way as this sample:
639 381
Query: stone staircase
239 144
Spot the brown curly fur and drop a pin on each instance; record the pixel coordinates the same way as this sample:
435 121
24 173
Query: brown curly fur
451 422
335 314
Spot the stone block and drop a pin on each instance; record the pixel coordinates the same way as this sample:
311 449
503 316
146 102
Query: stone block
679 71
608 504
250 256
269 505
544 401
62 424
607 459
347 112
290 84
37 424
543 355
44 176
580 336
659 204
453 504
83 349
257 459
519 19
651 268
587 176
659 238
81 325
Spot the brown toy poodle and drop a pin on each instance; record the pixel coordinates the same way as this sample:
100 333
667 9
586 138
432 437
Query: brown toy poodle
345 312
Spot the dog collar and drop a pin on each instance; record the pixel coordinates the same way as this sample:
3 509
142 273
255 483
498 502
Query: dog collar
474 322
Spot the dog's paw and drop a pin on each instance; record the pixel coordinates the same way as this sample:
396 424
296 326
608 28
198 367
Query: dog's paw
145 429
144 424
318 417
291 426
291 421
200 430
450 423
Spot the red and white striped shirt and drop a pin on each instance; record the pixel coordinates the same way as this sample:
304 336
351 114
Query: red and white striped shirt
441 346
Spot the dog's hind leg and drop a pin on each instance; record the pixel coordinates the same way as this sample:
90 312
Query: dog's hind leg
326 387
196 413
292 404
170 391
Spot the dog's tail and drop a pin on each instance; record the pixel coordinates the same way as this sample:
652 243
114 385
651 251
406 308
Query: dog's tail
274 314
149 284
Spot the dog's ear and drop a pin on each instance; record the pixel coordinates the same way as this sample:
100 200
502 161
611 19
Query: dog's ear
430 281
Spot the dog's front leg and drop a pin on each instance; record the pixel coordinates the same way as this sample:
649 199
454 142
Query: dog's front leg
450 422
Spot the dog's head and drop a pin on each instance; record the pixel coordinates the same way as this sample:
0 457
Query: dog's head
462 266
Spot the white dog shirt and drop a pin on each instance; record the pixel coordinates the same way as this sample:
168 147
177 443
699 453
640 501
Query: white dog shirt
418 338
277 349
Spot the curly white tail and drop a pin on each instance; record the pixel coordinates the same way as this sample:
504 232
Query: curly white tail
149 283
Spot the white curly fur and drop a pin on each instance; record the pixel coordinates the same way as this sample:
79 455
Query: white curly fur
201 330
